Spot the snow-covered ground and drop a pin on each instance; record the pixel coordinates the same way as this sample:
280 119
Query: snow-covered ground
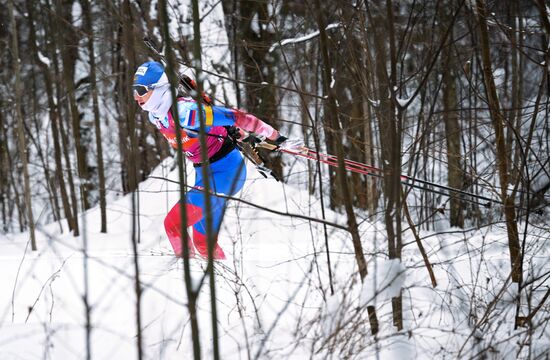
273 291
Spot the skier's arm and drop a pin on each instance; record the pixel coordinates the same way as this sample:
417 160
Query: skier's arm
222 116
251 123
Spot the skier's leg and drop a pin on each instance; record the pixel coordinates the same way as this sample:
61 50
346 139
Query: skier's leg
201 244
194 202
172 225
227 176
217 206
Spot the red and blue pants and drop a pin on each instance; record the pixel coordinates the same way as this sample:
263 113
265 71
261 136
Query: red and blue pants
226 176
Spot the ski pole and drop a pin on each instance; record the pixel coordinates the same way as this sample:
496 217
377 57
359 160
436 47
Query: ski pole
354 164
364 169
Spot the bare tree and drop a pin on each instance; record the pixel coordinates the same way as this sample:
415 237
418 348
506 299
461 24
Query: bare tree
45 70
452 135
331 114
132 159
58 121
502 150
69 56
89 25
20 126
390 124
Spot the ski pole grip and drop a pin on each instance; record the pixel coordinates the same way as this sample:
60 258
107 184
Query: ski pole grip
268 146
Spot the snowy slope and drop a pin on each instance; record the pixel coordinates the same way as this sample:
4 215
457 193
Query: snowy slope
273 292
259 268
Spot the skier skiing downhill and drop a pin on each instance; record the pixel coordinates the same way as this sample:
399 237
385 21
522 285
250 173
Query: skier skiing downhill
226 169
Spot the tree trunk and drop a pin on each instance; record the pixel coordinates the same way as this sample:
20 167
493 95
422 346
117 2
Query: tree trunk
333 126
69 56
88 24
53 114
45 71
497 120
50 186
452 136
197 54
60 132
124 106
259 66
22 148
368 91
6 175
231 14
390 119
192 294
128 44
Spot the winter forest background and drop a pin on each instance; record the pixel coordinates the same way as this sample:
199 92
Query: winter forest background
326 263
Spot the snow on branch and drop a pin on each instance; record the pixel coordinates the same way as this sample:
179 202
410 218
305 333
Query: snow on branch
302 38
44 59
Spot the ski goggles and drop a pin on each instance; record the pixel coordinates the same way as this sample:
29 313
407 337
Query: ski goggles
141 90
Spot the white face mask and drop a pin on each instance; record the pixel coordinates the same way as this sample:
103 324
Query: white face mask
161 99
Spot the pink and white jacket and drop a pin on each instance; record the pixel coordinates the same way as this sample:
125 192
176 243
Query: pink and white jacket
215 118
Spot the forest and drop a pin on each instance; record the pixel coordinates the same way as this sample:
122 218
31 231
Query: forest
442 105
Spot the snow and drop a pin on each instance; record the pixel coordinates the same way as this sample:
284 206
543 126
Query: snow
403 102
375 103
44 59
499 76
383 282
273 290
398 348
255 24
330 320
53 277
301 39
76 14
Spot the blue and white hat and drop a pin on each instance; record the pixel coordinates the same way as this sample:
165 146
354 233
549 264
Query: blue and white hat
150 73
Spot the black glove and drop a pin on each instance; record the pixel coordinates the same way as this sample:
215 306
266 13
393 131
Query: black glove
233 132
253 139
280 139
236 134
